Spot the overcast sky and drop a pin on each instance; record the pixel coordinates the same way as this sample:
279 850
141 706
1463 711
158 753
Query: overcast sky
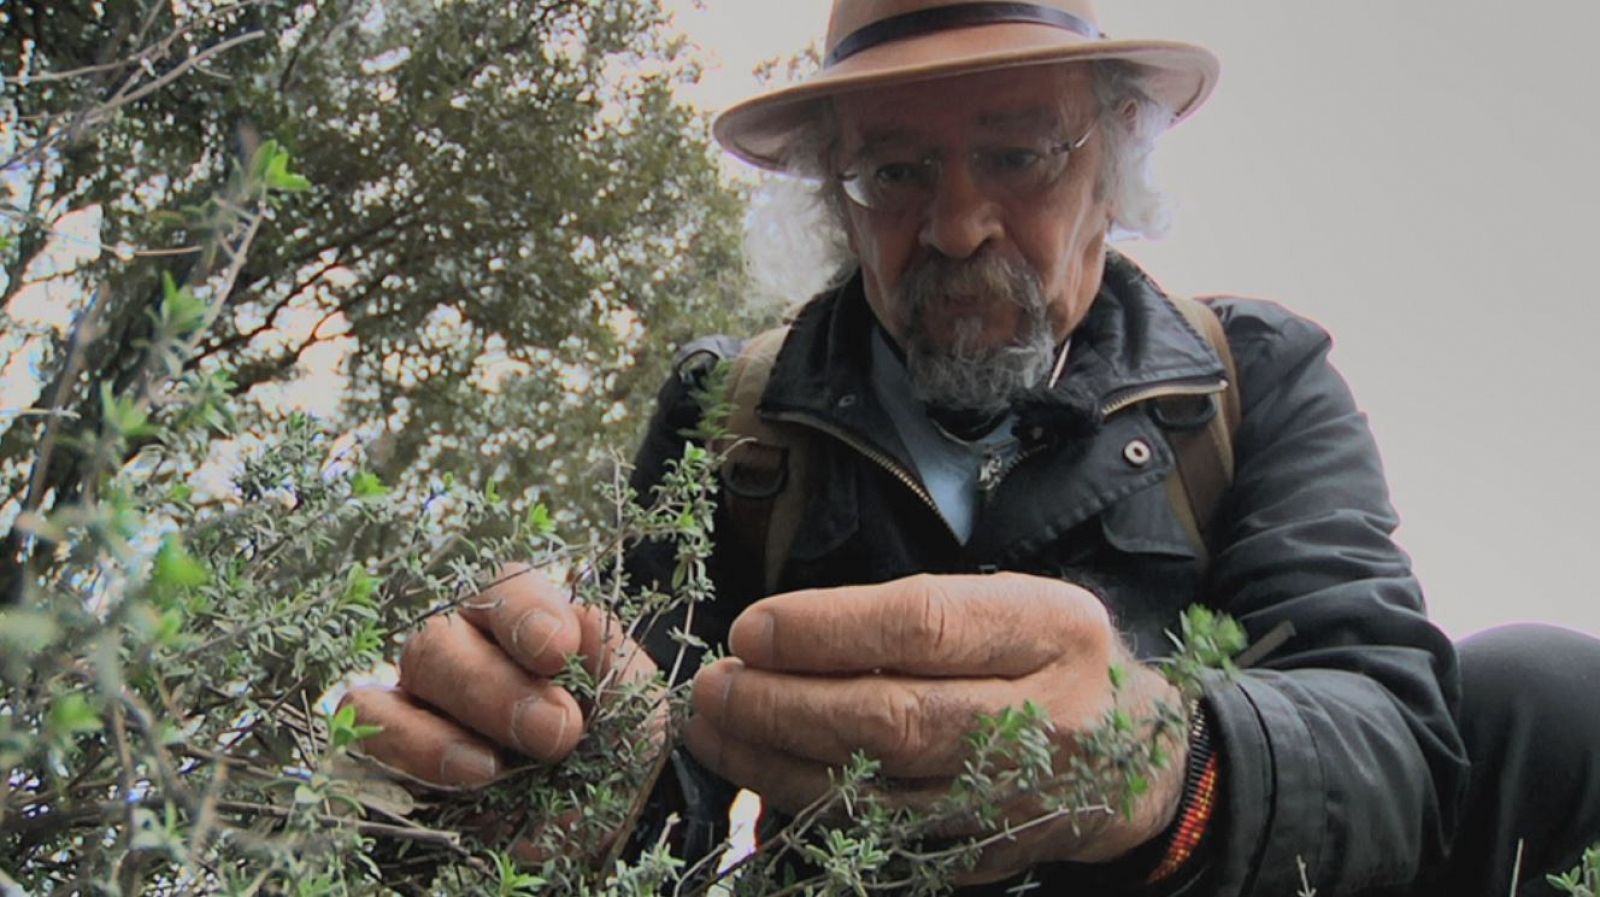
1420 178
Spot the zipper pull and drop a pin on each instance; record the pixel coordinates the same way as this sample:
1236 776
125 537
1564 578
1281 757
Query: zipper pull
991 471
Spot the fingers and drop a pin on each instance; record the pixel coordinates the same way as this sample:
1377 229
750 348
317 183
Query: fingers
530 617
915 727
791 784
786 783
1004 624
454 667
421 743
488 666
534 621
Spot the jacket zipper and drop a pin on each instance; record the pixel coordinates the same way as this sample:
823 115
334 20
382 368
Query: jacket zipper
877 457
995 469
989 478
1160 391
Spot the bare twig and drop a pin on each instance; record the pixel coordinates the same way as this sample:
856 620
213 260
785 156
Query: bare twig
39 412
84 332
449 840
204 823
92 117
1306 890
148 54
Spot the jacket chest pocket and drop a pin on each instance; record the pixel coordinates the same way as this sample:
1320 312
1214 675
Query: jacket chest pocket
1147 568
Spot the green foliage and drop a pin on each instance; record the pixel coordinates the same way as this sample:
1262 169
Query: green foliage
1207 640
271 166
503 219
497 217
512 880
1583 880
367 485
344 731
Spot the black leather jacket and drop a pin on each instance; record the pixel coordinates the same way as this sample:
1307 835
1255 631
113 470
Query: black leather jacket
1338 748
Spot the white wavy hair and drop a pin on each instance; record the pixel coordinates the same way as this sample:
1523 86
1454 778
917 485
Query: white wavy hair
795 243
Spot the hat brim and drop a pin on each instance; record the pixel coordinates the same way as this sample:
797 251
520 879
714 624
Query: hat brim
760 130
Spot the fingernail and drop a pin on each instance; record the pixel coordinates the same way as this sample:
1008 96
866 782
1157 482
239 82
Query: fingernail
532 634
539 729
466 764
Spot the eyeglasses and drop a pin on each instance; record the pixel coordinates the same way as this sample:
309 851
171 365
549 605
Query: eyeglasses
895 181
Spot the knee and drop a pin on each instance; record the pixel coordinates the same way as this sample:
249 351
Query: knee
1509 655
1532 676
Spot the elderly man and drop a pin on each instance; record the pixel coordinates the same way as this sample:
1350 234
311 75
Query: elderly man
988 405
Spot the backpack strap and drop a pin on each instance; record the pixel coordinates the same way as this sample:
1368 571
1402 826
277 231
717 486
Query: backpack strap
1204 455
763 460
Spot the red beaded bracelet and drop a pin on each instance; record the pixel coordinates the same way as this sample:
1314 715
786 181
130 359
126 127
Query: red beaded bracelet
1197 803
1193 826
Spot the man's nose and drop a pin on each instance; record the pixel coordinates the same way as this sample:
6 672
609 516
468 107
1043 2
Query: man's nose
961 218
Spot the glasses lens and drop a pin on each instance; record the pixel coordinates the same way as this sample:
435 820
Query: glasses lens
897 182
1019 170
890 184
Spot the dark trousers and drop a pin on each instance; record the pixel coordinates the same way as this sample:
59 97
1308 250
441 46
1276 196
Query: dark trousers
1530 716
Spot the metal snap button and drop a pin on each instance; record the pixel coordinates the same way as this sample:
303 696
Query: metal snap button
847 400
1137 453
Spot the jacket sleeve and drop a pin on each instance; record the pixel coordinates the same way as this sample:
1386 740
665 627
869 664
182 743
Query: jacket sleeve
1339 749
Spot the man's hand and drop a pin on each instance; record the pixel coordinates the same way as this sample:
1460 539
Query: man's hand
475 687
901 671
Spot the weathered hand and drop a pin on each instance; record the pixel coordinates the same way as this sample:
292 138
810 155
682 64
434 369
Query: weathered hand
901 671
475 685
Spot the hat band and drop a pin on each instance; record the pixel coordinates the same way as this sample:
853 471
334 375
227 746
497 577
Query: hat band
959 15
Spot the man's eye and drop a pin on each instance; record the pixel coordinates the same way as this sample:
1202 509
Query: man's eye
1010 161
896 174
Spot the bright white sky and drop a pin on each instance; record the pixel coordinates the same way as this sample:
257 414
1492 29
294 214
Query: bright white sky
1420 178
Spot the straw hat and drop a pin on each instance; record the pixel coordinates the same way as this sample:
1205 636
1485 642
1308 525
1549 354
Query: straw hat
872 43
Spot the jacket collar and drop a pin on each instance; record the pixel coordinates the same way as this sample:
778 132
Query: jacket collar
1131 339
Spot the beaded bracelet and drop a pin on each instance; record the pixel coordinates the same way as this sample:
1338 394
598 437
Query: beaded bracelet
1199 799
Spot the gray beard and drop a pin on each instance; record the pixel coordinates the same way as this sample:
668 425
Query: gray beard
965 375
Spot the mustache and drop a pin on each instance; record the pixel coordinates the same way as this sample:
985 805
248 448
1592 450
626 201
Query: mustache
939 279
960 371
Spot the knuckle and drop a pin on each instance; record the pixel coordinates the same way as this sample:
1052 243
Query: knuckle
924 628
1082 618
1094 627
933 621
896 727
503 576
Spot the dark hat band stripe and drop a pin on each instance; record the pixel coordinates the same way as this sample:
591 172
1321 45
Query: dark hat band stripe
959 15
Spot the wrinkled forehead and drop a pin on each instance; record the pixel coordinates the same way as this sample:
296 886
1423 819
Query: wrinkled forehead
1024 100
